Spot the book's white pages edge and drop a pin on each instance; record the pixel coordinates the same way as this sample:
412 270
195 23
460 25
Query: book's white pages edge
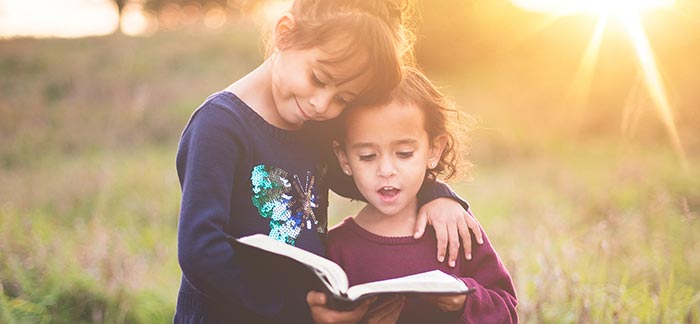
332 272
434 281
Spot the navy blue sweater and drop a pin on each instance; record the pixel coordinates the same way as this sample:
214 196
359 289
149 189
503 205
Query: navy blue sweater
239 176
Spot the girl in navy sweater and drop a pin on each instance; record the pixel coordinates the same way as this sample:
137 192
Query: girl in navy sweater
391 150
253 159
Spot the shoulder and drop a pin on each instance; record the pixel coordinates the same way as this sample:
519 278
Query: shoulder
222 108
342 227
221 120
340 240
341 231
215 132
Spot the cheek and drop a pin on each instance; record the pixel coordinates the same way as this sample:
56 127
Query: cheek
334 112
417 170
363 175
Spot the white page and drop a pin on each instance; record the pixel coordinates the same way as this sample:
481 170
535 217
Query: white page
433 281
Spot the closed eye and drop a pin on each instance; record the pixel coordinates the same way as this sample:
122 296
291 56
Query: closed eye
404 155
342 101
367 157
316 80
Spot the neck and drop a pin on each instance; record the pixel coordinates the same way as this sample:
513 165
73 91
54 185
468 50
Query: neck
392 225
255 89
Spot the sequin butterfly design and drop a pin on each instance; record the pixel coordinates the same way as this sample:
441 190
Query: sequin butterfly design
288 205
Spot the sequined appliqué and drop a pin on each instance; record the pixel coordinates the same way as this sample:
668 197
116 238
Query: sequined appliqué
289 206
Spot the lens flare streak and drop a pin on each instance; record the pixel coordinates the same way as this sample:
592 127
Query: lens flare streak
578 91
628 12
652 78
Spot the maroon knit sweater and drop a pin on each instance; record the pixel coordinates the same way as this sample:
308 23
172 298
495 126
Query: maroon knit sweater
367 257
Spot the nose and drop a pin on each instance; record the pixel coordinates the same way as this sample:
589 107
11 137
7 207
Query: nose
386 168
321 101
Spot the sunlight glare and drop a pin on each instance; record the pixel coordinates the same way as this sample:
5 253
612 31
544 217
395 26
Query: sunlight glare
135 22
570 7
576 97
47 18
628 13
652 77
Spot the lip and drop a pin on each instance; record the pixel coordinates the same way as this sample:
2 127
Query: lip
301 110
391 197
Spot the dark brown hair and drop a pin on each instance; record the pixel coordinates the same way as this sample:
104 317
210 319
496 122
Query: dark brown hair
375 30
441 116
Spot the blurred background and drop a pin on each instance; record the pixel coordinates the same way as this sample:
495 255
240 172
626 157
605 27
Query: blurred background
586 149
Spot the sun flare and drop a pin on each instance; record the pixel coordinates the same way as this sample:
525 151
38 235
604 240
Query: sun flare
598 7
629 15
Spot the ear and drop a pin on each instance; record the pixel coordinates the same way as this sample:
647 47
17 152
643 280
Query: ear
342 158
285 25
436 149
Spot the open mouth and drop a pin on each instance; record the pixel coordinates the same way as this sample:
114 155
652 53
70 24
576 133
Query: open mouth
388 194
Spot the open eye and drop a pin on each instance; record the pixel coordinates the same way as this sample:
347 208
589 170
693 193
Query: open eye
404 155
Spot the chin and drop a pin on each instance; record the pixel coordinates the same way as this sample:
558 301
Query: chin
391 210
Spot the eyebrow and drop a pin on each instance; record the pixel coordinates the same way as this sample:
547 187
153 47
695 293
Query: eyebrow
369 144
362 145
336 81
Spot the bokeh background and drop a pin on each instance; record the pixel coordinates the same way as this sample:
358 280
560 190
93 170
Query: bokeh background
586 149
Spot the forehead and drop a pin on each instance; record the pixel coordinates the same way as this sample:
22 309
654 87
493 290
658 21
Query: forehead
384 123
343 61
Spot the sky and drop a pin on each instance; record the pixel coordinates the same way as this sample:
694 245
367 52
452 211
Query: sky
51 18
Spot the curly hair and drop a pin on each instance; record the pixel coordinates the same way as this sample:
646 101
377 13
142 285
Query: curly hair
441 117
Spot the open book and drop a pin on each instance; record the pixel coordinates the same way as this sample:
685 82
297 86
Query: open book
319 273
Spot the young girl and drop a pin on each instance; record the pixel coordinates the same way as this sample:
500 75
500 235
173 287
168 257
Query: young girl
391 150
252 159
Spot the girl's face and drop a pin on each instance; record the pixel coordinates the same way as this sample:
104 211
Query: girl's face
305 87
387 152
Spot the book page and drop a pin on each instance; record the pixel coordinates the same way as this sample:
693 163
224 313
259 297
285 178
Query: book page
333 274
434 281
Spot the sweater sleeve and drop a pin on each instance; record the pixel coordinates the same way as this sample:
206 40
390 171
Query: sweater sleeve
207 157
494 300
433 189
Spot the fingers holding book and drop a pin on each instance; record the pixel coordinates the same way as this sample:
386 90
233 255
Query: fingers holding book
323 314
446 302
385 310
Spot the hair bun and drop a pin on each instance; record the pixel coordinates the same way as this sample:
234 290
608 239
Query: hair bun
395 10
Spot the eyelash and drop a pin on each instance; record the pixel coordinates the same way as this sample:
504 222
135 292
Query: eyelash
401 155
367 157
320 83
341 101
316 80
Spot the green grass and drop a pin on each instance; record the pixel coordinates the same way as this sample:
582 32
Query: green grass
594 227
595 236
93 240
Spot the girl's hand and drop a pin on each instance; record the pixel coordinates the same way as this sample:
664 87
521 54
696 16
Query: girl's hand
324 315
385 312
451 222
447 303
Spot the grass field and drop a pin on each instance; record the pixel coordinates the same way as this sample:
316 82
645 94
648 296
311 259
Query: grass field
594 226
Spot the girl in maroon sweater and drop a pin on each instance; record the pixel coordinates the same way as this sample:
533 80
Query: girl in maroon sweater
391 150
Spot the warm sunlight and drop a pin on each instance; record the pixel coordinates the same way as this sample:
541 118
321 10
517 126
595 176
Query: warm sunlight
628 14
568 7
47 18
